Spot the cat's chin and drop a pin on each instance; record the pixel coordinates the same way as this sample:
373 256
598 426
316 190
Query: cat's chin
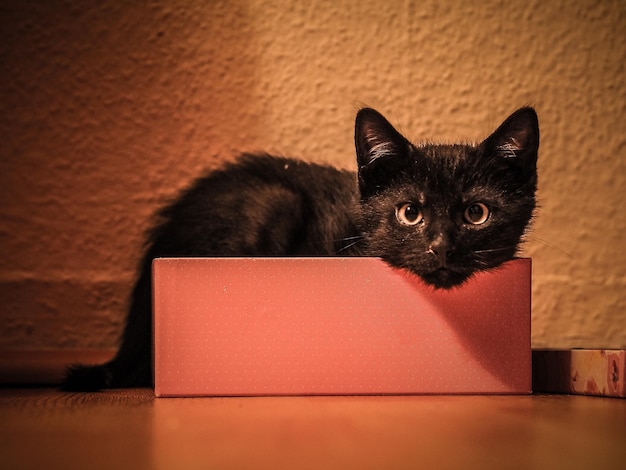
445 278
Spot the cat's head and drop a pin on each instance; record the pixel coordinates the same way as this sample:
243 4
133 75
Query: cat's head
445 212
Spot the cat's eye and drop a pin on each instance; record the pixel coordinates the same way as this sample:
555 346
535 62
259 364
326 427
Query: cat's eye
476 213
409 214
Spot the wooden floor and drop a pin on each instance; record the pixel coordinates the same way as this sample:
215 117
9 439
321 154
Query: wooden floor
44 428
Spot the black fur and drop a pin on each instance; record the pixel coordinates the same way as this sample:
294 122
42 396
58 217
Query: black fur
410 205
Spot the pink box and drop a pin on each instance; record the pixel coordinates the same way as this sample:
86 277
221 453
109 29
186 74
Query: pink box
333 326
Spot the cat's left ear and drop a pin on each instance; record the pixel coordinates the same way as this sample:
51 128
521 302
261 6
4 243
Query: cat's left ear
517 139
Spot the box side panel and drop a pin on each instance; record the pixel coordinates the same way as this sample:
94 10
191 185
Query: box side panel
336 326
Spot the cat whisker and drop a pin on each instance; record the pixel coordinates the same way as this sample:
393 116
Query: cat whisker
493 250
548 244
347 238
482 263
356 239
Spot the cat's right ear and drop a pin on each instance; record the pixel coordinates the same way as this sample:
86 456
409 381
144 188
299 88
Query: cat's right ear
376 138
380 151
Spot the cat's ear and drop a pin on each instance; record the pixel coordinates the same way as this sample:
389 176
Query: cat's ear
517 139
380 151
376 138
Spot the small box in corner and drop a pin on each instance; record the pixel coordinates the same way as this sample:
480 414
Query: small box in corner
331 326
580 371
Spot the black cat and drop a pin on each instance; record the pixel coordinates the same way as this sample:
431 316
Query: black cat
443 212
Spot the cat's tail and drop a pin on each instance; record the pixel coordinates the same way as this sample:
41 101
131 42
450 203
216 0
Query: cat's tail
123 371
132 365
87 378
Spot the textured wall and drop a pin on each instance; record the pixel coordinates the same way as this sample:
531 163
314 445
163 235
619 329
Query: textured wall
108 108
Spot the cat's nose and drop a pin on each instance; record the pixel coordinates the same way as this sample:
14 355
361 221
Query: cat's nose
441 251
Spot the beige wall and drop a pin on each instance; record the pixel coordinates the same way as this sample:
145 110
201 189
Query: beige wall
108 108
